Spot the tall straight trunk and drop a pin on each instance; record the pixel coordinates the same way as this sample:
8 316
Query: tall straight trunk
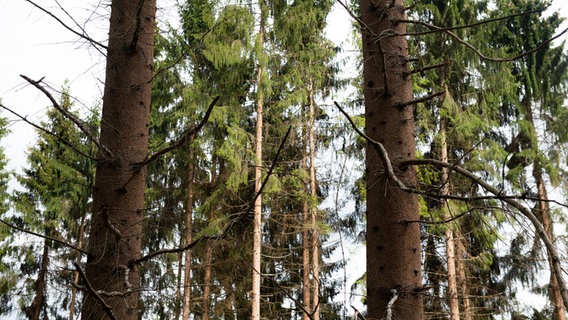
306 221
34 312
257 224
393 245
80 237
555 295
115 236
452 294
206 301
313 206
188 237
462 278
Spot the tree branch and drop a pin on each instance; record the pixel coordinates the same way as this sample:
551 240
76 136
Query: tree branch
185 136
230 225
81 35
60 139
555 256
107 308
79 123
68 245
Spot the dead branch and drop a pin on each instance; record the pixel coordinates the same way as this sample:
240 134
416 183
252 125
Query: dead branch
68 245
106 308
184 138
60 139
81 35
555 256
230 225
79 123
357 314
419 100
439 65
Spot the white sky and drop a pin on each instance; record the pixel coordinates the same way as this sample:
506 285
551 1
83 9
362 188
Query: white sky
35 45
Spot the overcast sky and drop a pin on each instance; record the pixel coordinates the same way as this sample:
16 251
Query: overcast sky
35 45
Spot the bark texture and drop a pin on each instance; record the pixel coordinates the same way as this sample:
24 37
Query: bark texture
118 200
393 245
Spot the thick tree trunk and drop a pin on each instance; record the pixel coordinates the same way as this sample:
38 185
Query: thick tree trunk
393 245
34 312
118 202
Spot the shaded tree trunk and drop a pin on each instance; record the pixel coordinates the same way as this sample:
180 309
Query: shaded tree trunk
462 278
80 237
188 238
313 205
206 302
393 245
115 236
34 312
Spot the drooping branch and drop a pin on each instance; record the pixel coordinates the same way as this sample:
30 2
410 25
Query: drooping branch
231 223
68 245
82 35
183 139
79 123
543 235
59 138
106 307
476 50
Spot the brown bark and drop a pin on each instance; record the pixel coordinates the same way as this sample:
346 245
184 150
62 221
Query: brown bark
462 278
118 200
393 246
188 238
452 295
34 311
313 207
80 237
205 303
306 219
555 294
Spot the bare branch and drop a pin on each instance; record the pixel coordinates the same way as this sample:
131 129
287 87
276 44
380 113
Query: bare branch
81 35
60 139
185 136
357 314
230 225
68 245
419 100
79 123
555 256
107 308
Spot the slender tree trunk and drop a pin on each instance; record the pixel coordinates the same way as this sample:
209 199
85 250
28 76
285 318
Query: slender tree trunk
115 237
306 221
452 294
80 237
188 238
462 278
206 302
39 286
393 245
313 207
555 295
257 224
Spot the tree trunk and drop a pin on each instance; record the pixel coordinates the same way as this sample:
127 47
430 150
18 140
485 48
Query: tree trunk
393 245
313 207
452 294
462 278
257 224
80 237
306 220
188 238
555 295
118 201
34 311
206 302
